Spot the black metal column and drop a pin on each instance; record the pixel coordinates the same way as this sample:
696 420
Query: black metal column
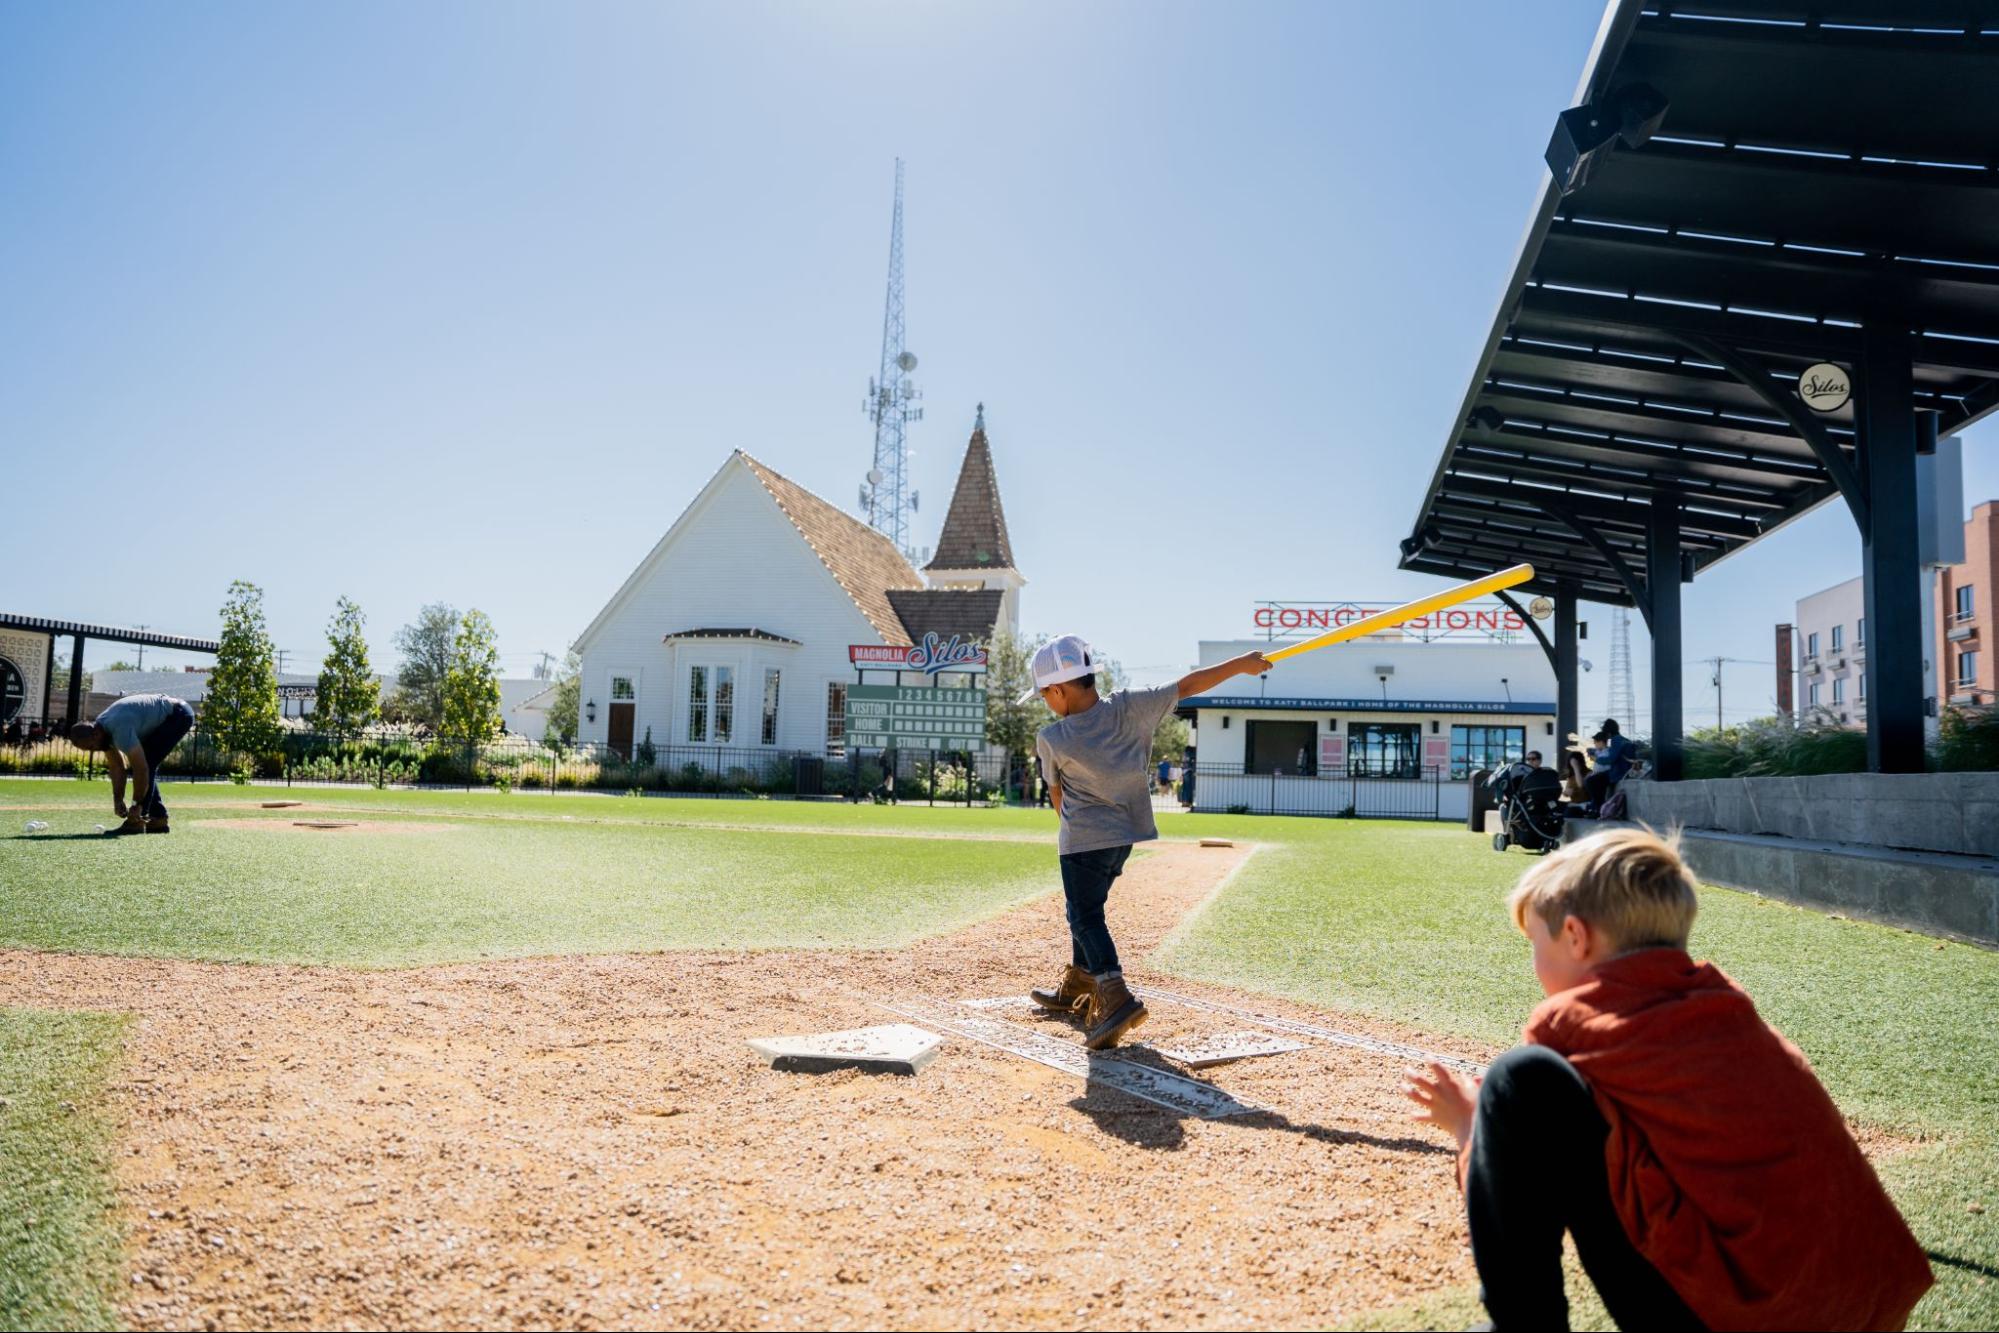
1565 667
1662 588
48 679
1885 421
75 681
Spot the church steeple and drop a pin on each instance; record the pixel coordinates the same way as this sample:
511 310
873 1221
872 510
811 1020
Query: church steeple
974 550
974 535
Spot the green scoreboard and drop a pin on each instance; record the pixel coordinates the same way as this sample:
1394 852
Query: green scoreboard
915 717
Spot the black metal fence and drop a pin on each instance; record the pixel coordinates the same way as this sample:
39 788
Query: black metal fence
1348 795
516 763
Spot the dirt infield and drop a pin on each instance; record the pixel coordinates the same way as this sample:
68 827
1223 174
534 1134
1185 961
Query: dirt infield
586 1142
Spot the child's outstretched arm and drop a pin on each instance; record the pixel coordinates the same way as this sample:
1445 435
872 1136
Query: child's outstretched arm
1206 678
1444 1098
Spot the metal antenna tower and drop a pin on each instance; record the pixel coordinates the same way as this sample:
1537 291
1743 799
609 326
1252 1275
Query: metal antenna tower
1623 703
892 405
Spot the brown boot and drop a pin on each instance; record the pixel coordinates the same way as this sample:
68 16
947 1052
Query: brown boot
1114 1011
1070 996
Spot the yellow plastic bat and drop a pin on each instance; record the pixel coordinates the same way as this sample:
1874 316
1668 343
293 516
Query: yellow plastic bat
1436 601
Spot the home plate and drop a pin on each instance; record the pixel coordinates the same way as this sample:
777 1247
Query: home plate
1229 1046
1216 842
891 1048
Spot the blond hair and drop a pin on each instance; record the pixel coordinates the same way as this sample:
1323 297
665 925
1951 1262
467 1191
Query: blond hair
1628 883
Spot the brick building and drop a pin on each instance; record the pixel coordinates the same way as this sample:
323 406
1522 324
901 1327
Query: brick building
1965 620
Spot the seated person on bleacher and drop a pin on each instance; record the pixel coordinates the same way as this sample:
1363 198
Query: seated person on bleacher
1613 754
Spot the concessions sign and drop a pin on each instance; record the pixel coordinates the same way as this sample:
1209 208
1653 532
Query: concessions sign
931 656
1473 620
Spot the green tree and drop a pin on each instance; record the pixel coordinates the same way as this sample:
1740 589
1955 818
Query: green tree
427 648
1010 724
472 681
349 697
241 710
120 665
563 707
1169 742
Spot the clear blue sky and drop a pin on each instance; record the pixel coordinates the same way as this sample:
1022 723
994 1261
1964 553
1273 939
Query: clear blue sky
463 302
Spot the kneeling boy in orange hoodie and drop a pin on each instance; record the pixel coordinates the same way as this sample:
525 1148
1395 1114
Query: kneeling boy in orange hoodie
1686 1145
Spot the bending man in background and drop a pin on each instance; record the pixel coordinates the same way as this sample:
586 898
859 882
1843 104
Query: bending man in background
137 732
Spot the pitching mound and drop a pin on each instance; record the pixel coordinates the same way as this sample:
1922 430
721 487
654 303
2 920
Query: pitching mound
336 827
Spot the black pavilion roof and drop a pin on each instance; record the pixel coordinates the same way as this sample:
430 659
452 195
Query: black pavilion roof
1817 168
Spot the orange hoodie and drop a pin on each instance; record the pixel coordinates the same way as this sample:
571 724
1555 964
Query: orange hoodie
1732 1170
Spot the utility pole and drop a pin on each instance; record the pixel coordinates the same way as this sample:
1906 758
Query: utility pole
142 651
1717 661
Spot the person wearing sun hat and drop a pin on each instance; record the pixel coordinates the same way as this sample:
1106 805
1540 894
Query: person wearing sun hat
1094 757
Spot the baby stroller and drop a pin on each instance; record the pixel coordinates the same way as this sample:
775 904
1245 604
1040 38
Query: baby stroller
1530 808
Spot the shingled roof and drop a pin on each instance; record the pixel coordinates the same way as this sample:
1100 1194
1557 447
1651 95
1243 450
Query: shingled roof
863 561
974 535
969 613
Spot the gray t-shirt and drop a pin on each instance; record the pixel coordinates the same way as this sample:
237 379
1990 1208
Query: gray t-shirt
1099 758
129 720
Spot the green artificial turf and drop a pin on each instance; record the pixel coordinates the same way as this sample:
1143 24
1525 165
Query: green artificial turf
1408 922
59 1241
437 886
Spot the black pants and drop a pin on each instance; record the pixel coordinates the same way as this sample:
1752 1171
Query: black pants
1537 1170
1597 786
157 744
1086 883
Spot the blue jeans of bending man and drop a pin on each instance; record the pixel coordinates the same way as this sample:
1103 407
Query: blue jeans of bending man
158 743
1086 884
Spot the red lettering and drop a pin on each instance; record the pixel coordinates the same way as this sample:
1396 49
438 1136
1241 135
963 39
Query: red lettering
1288 618
1514 622
1457 620
1263 617
1488 620
1342 616
1316 618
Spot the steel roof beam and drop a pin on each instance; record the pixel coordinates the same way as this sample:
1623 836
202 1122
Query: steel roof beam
1626 479
1636 418
1615 314
1533 520
1602 507
1809 428
1646 457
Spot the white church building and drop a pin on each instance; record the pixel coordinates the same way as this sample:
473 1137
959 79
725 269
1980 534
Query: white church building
735 631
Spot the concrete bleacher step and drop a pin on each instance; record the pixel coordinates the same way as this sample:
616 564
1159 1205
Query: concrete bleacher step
1938 893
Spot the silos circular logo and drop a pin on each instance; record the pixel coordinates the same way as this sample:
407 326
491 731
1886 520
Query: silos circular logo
1825 387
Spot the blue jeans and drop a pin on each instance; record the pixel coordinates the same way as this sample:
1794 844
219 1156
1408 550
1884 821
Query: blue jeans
1086 883
158 743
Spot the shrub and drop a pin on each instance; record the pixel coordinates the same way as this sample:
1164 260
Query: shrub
1968 740
1775 747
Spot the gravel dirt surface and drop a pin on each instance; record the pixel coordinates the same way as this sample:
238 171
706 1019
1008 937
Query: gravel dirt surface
587 1142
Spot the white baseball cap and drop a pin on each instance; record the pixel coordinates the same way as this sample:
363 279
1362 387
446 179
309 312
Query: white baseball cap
1060 659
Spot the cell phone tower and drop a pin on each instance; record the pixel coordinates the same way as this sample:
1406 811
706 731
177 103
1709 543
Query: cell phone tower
1623 703
892 403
